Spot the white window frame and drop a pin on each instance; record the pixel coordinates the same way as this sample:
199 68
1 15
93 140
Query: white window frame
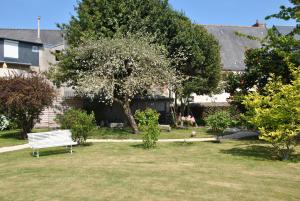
11 49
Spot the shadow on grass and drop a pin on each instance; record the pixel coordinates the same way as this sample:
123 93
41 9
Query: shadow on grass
53 152
110 133
139 146
183 143
12 134
258 152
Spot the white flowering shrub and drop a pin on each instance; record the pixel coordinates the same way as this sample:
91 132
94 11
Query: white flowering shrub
4 123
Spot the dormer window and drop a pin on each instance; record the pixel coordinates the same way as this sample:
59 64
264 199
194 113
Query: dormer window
11 49
35 48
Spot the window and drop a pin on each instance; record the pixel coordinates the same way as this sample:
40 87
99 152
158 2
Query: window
57 52
35 49
11 49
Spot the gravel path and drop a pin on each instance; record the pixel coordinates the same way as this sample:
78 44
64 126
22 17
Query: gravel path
13 148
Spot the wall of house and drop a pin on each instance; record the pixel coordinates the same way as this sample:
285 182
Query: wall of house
47 58
106 114
7 72
26 55
1 49
215 98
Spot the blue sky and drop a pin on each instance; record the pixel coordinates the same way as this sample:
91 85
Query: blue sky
23 13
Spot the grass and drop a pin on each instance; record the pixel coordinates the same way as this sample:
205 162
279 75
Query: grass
108 133
12 137
232 170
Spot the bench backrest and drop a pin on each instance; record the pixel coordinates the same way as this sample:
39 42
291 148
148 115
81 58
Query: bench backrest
50 138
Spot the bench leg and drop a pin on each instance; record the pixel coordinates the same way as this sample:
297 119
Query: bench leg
71 150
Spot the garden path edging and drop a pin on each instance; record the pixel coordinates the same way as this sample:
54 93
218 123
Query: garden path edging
24 146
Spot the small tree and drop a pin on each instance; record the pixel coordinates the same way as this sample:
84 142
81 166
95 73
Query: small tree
276 113
148 122
23 98
116 70
79 122
219 121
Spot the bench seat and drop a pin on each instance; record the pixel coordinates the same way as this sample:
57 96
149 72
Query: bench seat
49 139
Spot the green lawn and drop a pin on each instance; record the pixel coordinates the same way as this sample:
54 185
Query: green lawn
12 137
232 170
108 133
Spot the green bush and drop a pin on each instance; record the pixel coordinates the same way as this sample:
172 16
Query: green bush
79 122
148 123
219 121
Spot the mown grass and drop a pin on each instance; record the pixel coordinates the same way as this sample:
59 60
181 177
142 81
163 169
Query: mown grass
126 133
231 170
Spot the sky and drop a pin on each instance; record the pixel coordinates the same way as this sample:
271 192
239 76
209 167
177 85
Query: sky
23 13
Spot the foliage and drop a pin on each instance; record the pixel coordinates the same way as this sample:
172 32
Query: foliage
148 122
233 82
80 123
4 123
287 13
272 58
276 113
96 19
219 121
116 70
23 98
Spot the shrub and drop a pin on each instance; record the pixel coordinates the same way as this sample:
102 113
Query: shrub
219 121
23 98
148 123
79 122
4 123
276 113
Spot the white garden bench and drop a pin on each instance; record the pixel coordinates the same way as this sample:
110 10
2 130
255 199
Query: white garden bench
165 127
56 138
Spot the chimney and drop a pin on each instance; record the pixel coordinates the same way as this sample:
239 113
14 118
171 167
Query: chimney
39 28
259 24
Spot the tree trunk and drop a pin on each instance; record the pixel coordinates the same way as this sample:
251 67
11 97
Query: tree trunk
130 118
27 126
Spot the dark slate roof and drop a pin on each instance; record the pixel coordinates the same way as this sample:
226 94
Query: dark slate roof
233 46
48 37
285 30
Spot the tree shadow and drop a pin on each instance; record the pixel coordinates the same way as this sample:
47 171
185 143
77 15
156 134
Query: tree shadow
183 143
11 135
139 146
53 152
258 152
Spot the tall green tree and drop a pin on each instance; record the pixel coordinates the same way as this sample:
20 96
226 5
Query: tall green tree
274 56
106 18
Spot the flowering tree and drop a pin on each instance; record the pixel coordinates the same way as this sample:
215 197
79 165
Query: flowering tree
23 98
115 70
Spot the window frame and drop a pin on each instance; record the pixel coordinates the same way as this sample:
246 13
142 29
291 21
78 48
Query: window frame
11 49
